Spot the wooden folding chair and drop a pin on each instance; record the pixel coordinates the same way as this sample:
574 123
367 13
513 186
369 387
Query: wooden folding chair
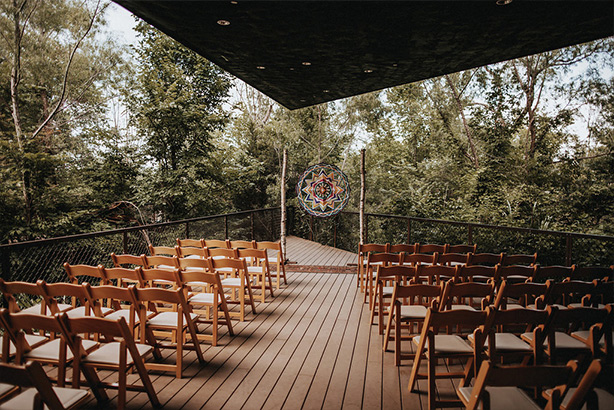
36 390
388 275
570 293
26 297
54 293
462 248
278 259
239 244
217 243
402 247
127 261
179 321
117 352
364 249
476 273
237 281
590 273
212 296
600 345
451 259
519 295
415 259
260 272
519 259
497 387
373 261
78 274
122 276
555 273
191 252
434 346
455 293
420 297
53 352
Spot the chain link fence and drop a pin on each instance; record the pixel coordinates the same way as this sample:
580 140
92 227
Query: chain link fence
44 259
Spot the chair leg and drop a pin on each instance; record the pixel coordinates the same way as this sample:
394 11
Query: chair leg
432 363
397 340
389 325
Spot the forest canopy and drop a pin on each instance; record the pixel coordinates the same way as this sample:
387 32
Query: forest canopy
95 135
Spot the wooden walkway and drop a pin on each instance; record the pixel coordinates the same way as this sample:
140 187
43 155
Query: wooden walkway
308 256
310 347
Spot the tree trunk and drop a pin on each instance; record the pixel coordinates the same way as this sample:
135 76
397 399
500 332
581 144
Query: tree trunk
459 103
361 212
283 203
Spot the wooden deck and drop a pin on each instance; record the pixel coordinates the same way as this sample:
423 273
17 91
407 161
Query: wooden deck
310 347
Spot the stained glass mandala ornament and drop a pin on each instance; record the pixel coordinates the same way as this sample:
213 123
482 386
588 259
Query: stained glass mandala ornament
323 190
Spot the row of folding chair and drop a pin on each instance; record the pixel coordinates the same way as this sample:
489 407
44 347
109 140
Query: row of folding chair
153 314
551 336
68 343
276 258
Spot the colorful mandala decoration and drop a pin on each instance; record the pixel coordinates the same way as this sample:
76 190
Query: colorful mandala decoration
323 190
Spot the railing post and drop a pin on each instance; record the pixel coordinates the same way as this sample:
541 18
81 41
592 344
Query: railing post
226 226
408 231
335 220
187 230
125 242
6 264
568 246
470 234
251 221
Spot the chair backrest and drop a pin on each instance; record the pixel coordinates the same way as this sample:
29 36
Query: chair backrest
418 258
403 273
567 292
163 250
404 247
518 271
231 263
32 375
274 246
434 273
13 292
116 295
430 248
593 272
53 291
467 273
384 258
256 254
418 293
525 293
184 278
202 264
120 274
451 258
461 248
149 275
471 318
486 259
217 243
108 329
603 293
554 272
455 291
120 261
92 273
185 251
520 259
365 248
222 252
17 324
195 243
245 245
161 262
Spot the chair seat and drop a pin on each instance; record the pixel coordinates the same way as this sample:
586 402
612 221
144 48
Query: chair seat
204 298
109 354
36 309
583 335
194 269
25 400
387 290
462 307
125 313
5 388
562 341
507 342
413 312
193 257
235 282
577 305
167 319
33 341
81 312
448 344
168 267
225 270
255 270
503 398
605 399
51 350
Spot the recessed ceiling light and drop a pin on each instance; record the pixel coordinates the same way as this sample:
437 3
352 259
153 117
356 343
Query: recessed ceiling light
395 65
368 70
302 100
260 67
503 2
234 2
291 68
306 63
225 58
223 22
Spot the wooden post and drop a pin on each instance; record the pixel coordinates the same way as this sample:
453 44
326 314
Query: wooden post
362 197
226 226
282 235
187 230
470 234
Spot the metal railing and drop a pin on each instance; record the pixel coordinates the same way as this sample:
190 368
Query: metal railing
552 247
43 259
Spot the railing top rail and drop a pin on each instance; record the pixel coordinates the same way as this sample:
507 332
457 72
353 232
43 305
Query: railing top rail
496 227
27 244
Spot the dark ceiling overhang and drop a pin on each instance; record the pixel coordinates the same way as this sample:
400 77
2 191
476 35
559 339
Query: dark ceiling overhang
308 52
